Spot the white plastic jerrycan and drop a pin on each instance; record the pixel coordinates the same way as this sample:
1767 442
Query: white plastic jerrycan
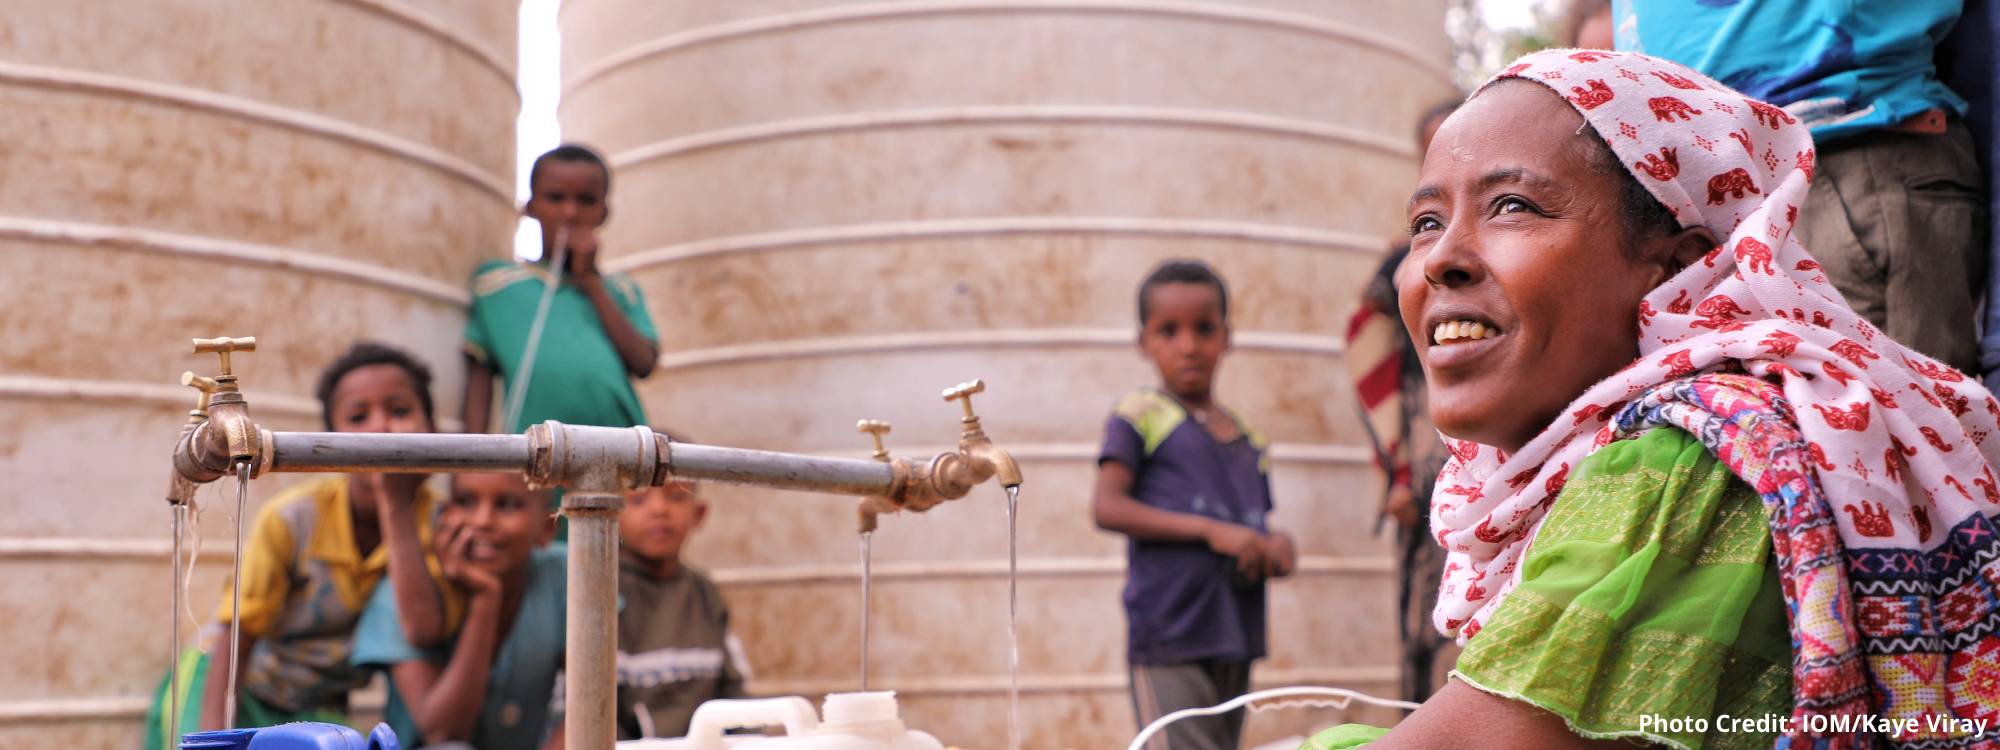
853 721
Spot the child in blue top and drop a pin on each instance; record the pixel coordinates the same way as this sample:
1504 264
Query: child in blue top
1897 212
492 685
1187 482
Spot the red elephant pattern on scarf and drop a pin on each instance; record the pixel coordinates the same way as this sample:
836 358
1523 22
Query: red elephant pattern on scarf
1664 167
1730 184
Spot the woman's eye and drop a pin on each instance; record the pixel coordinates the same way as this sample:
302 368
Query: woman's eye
1424 224
1512 205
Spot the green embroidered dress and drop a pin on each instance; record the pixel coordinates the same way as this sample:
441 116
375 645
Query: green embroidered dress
1649 591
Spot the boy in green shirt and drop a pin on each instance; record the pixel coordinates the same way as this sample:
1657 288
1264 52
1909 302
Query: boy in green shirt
597 335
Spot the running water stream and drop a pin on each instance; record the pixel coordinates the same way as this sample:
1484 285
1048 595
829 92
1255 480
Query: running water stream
866 602
174 650
236 599
1013 632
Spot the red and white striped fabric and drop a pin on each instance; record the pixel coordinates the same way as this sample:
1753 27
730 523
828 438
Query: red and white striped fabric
1374 359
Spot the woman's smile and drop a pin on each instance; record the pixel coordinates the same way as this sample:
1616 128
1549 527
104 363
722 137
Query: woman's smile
1455 331
1460 340
1450 356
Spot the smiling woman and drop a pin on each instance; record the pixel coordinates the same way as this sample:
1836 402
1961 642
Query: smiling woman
1509 272
1687 480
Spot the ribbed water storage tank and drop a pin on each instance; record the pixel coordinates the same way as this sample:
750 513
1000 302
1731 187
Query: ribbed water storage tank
303 171
837 209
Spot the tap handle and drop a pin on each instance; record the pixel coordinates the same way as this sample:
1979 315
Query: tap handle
962 393
197 382
207 386
877 429
222 347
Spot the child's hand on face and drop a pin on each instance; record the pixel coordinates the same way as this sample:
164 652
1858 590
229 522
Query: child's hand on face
454 542
582 252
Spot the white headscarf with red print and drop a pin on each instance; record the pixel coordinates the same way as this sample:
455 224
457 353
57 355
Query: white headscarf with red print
1739 167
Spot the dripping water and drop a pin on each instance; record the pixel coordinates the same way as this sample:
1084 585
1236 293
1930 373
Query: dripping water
1013 633
236 600
866 536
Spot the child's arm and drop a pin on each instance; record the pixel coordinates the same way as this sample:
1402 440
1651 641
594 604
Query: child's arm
254 602
1114 509
419 603
639 354
478 404
216 690
1281 555
444 701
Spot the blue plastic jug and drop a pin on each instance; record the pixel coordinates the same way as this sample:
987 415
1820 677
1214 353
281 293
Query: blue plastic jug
221 739
299 736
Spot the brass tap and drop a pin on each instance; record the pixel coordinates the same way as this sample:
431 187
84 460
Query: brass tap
207 387
180 489
221 347
876 429
875 505
977 458
974 443
228 437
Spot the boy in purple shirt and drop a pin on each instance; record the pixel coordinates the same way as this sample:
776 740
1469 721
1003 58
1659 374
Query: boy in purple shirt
1187 482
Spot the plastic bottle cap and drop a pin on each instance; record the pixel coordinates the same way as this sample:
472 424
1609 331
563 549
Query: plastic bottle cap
860 708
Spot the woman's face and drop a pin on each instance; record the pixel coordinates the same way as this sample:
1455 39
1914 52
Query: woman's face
1518 290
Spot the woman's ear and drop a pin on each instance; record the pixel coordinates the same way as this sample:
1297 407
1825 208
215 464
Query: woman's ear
1668 254
1690 244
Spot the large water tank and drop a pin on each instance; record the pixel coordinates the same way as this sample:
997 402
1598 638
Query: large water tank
303 171
837 208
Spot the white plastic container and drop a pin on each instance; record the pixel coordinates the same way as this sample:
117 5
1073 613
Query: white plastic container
853 721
